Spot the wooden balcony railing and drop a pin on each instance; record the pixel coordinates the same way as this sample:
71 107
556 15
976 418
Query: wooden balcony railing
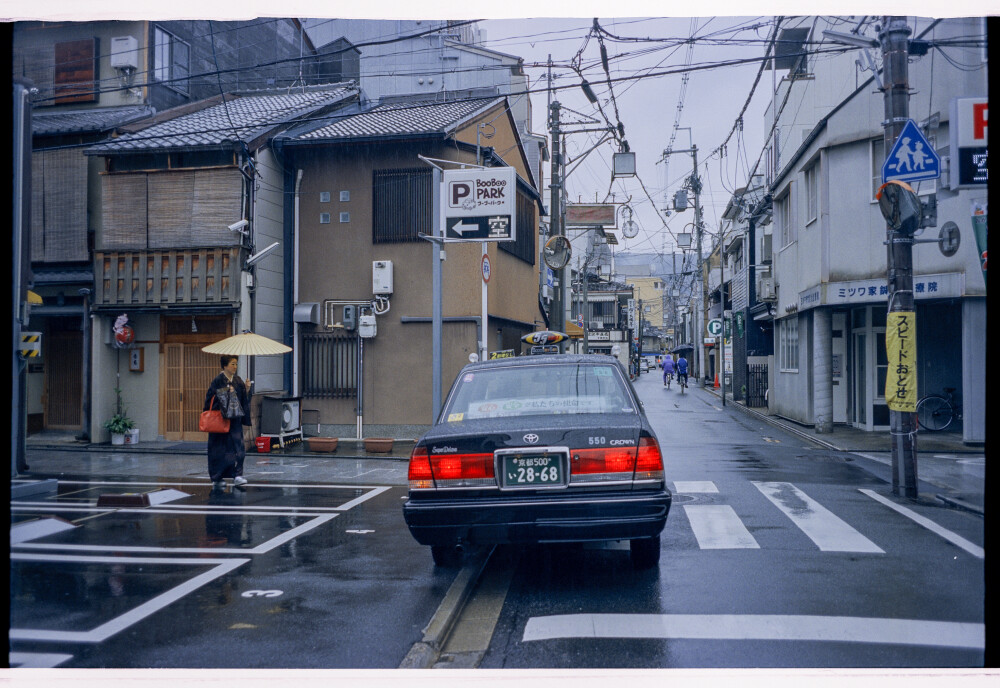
148 278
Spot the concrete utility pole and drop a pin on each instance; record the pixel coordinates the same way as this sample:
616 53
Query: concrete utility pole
556 317
894 37
722 302
703 292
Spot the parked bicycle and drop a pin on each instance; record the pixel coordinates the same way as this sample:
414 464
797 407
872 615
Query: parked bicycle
935 412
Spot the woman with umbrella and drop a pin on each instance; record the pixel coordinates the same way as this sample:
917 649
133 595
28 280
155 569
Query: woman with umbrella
226 451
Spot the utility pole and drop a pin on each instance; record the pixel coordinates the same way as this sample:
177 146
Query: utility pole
555 216
722 302
894 37
703 292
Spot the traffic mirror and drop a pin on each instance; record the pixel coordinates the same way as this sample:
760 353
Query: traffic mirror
900 206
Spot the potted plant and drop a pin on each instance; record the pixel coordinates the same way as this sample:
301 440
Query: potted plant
119 425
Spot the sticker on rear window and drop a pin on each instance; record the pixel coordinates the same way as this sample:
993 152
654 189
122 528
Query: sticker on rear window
603 371
468 377
455 417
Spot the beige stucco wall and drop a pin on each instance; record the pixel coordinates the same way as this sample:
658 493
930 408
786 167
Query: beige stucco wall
335 262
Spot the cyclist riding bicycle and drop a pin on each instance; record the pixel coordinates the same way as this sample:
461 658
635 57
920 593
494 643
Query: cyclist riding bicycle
668 369
682 370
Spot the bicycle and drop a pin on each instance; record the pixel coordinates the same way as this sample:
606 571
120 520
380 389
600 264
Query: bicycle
682 381
935 412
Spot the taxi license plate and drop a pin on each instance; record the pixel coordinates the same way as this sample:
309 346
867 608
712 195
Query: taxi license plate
533 470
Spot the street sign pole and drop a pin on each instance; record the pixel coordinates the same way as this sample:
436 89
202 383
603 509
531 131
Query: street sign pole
903 430
437 250
485 291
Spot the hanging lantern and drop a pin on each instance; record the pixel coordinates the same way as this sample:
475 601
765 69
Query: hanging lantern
124 334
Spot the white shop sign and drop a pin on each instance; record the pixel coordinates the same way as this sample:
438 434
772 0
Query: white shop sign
941 286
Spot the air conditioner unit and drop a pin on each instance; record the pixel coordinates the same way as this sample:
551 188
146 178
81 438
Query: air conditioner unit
765 289
765 251
280 415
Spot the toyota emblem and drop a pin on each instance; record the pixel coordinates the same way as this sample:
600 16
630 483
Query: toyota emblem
531 438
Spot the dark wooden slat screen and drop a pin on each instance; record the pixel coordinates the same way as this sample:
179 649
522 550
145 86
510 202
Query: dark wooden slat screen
37 207
402 205
523 246
76 71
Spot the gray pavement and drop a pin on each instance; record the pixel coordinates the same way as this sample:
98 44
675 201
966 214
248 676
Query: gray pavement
948 469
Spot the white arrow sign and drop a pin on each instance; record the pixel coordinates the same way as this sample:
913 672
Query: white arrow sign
462 227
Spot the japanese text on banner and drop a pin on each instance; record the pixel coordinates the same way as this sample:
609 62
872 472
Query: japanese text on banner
901 346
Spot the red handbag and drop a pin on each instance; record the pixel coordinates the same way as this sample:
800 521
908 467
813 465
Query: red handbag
212 420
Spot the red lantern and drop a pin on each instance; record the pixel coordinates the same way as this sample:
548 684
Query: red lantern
125 335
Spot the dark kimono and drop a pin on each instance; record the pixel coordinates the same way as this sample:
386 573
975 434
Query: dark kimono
225 449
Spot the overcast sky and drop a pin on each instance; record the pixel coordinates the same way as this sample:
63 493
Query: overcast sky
647 107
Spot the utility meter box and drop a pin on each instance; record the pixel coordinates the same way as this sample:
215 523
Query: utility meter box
125 52
381 277
366 325
350 319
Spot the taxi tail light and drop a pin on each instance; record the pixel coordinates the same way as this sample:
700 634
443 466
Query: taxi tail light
419 474
462 466
603 460
649 461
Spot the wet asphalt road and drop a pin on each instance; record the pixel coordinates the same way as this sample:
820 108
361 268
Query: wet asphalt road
819 553
312 566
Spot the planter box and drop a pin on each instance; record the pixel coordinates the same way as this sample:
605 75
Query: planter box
117 438
378 445
322 444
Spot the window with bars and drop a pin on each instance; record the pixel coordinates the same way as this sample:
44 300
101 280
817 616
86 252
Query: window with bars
171 60
812 192
329 365
401 200
788 345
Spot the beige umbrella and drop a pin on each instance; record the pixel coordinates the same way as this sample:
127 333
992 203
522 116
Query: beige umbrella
247 344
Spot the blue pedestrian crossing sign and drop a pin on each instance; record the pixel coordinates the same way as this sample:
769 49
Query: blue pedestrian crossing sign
912 159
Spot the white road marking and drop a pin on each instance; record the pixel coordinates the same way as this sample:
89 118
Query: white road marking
262 548
32 530
220 567
158 497
363 498
283 486
694 486
829 532
71 508
35 660
718 527
759 627
973 549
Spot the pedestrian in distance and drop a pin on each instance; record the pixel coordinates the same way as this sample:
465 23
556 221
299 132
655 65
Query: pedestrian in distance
226 451
682 371
668 370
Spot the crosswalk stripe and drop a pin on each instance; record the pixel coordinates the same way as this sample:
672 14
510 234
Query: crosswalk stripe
840 629
694 486
830 533
716 526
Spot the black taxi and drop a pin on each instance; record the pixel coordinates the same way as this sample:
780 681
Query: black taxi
536 449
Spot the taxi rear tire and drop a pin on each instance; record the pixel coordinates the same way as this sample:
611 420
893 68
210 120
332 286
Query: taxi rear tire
446 556
644 552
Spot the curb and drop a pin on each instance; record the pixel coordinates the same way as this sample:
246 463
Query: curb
961 504
426 651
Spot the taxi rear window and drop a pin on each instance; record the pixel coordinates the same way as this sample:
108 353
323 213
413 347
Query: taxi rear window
538 390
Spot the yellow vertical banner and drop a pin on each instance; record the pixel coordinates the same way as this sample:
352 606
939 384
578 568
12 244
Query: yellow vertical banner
901 347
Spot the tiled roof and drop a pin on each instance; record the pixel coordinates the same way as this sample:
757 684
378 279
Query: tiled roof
78 121
248 116
402 119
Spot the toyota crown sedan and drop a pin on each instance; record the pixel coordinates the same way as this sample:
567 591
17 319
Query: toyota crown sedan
539 449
